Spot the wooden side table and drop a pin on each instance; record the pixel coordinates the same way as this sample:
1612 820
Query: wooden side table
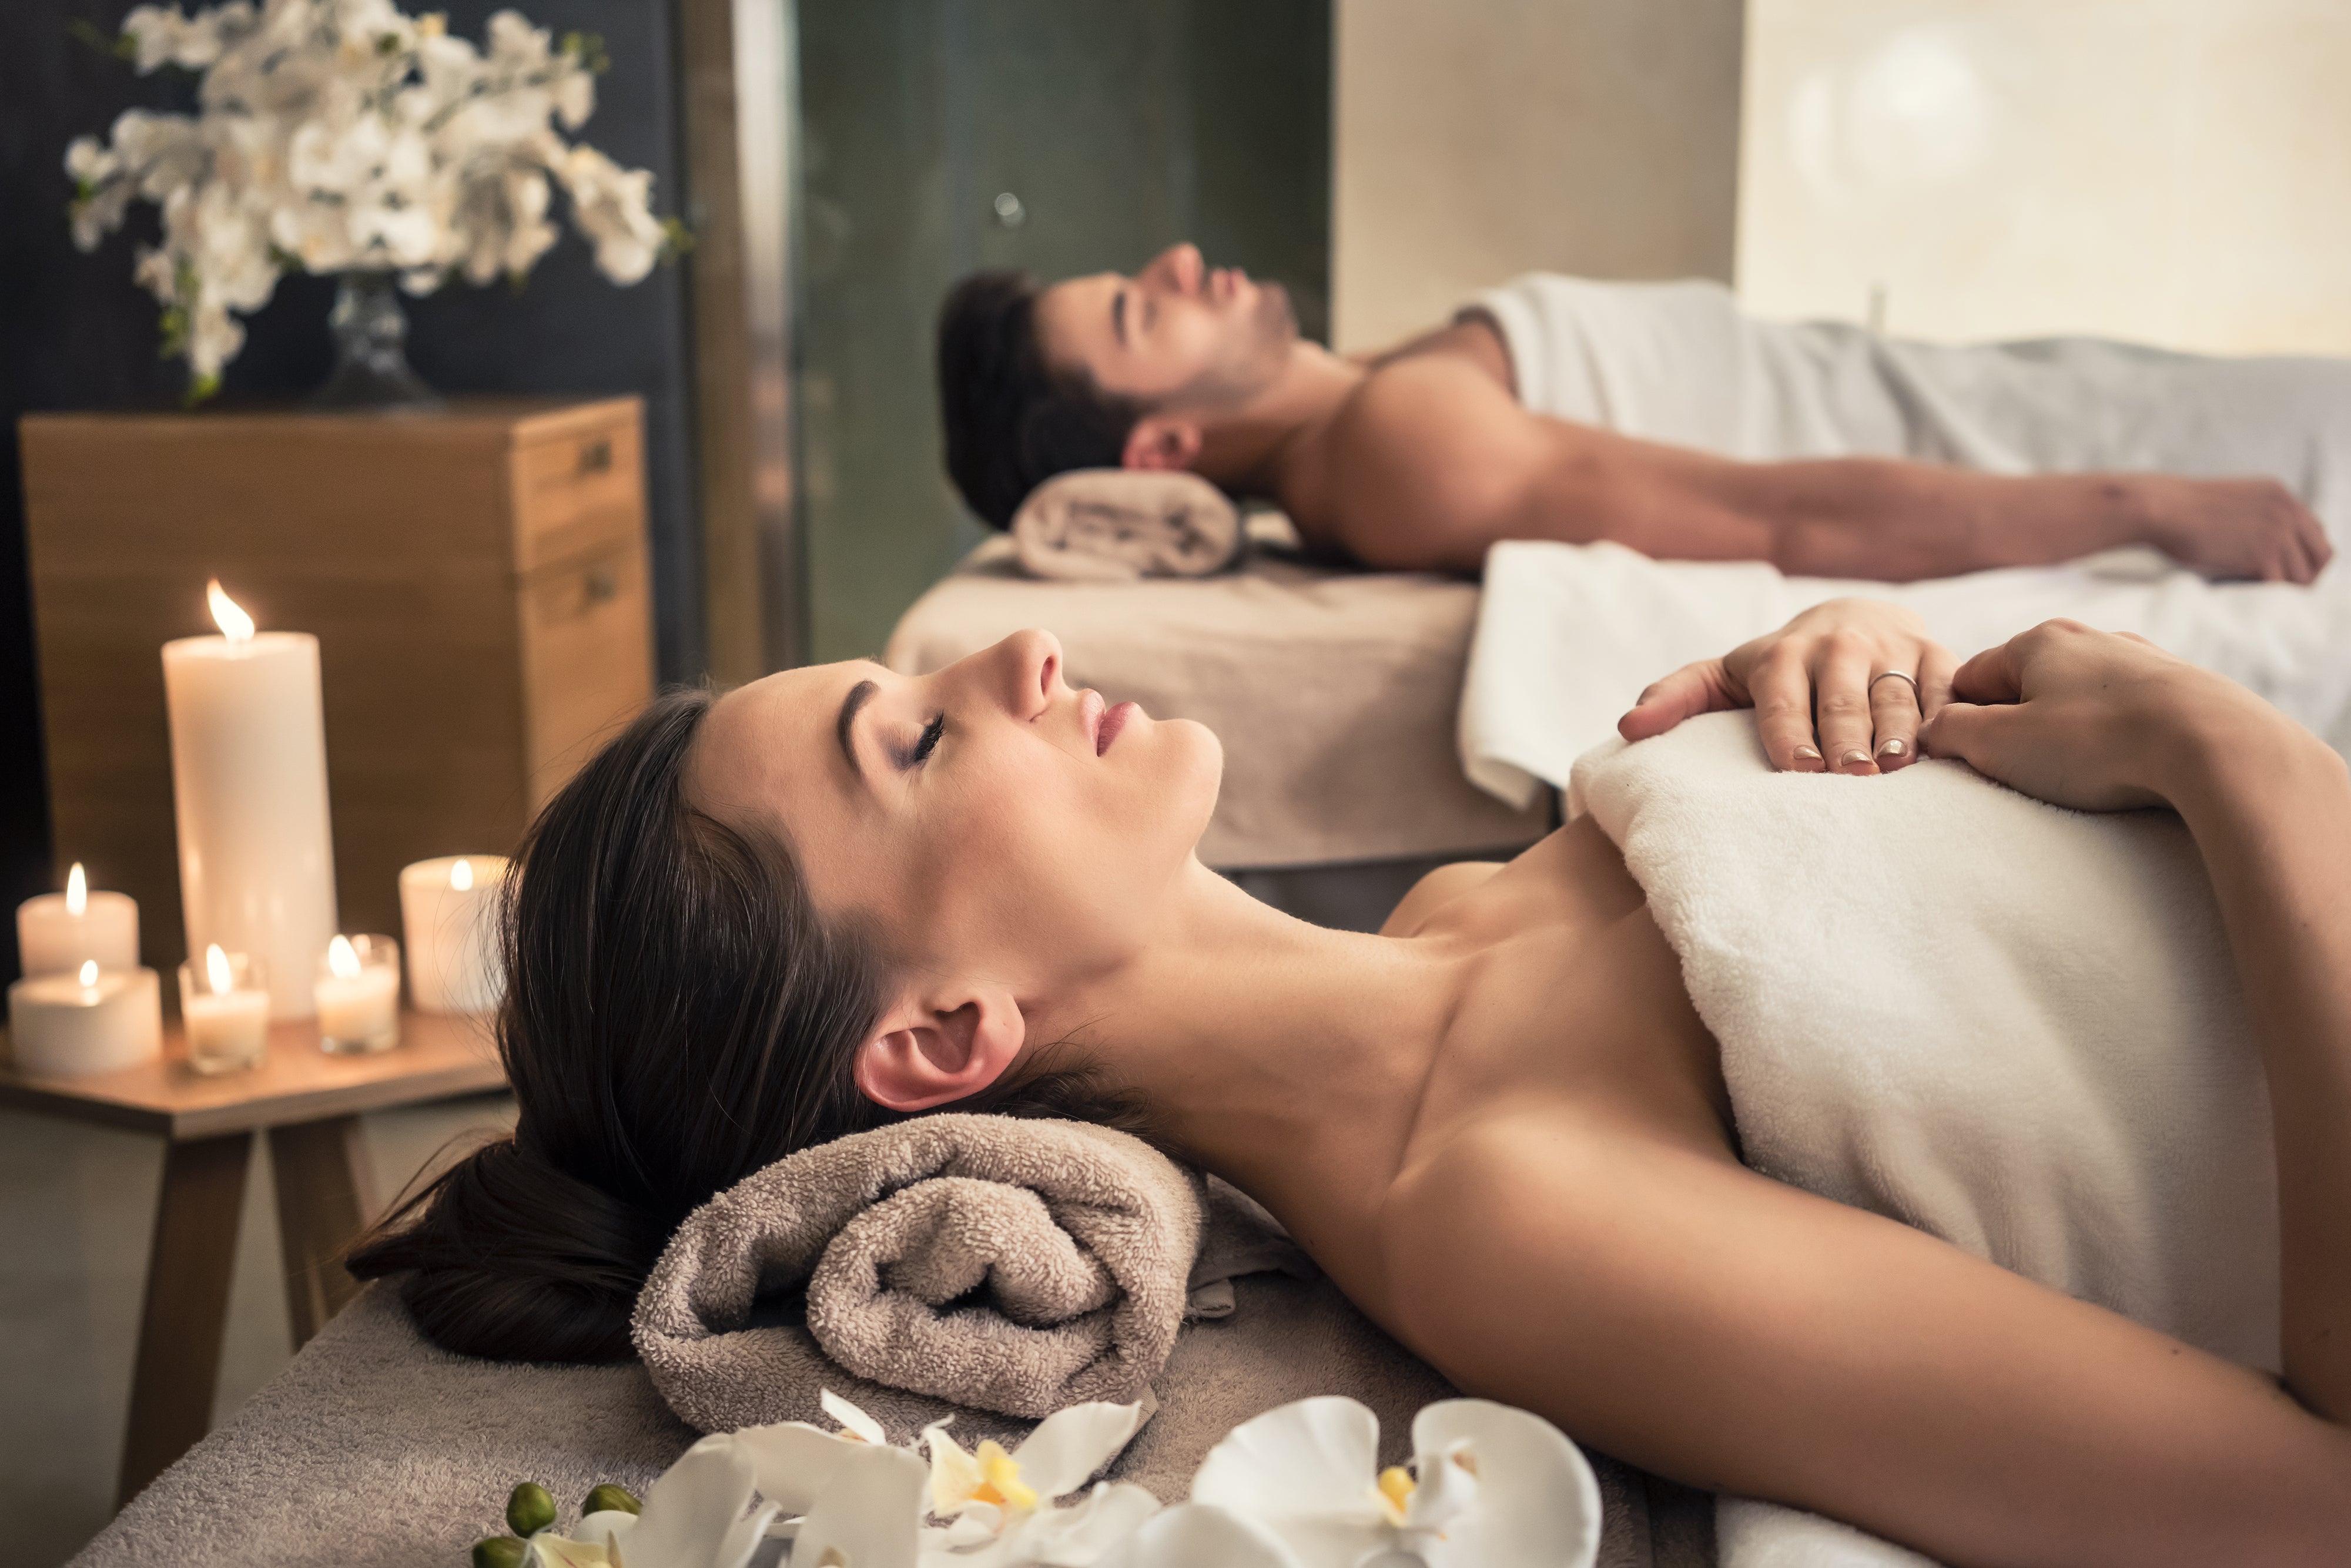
308 1104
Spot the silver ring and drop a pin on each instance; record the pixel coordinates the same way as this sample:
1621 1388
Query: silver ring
1917 695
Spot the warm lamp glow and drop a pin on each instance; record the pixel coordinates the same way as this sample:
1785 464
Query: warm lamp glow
217 970
342 959
235 624
460 875
77 891
89 972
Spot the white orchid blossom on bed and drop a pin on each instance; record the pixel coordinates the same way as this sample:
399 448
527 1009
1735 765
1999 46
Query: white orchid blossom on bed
1490 1487
343 135
1000 1506
699 1514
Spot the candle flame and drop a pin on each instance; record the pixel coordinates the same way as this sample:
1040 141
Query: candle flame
342 959
460 875
77 891
235 624
217 970
89 972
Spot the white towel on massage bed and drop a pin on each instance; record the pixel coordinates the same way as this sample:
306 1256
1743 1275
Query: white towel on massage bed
2014 1027
1678 363
1568 635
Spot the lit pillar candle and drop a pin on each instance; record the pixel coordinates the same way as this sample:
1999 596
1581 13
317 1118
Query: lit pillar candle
57 933
448 912
249 787
93 1020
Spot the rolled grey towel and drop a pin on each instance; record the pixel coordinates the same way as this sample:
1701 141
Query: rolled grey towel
1111 525
945 1264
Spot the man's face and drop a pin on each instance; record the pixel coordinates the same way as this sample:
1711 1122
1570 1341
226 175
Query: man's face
1175 337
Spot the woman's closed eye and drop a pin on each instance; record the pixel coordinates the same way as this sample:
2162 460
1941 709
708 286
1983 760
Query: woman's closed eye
926 745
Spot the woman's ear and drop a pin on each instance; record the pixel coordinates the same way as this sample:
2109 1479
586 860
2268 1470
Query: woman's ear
926 1053
1159 442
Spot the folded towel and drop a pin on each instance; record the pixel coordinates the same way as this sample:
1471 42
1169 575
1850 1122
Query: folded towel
2039 1050
1113 525
947 1263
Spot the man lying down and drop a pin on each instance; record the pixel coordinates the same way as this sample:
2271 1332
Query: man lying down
1654 415
1654 1131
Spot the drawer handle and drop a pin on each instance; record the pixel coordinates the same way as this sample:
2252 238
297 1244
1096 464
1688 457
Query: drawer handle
596 458
602 587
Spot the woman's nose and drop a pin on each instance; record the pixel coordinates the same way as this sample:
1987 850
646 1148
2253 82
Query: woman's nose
1028 668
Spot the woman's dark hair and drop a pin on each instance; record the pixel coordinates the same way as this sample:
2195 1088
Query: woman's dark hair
677 1016
1012 420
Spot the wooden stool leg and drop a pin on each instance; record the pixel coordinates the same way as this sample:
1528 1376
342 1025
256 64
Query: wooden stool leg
187 1304
326 1197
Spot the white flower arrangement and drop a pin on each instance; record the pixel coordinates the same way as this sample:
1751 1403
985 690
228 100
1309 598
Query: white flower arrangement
344 136
1489 1487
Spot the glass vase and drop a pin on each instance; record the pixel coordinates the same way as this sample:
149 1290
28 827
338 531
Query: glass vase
372 369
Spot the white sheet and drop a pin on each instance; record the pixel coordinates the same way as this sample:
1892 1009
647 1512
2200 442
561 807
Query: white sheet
2014 1027
1568 635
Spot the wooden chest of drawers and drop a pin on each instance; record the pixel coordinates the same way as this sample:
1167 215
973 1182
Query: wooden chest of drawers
476 576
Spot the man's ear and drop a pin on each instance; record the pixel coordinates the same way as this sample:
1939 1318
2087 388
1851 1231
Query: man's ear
924 1054
1158 441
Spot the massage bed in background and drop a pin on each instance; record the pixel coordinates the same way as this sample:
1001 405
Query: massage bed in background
1335 693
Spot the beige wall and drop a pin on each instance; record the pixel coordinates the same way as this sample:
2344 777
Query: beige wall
2173 171
1476 139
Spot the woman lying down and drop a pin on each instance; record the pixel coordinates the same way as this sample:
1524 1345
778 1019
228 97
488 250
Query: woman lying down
840 895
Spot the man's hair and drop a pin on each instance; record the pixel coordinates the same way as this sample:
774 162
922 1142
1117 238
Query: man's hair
1012 420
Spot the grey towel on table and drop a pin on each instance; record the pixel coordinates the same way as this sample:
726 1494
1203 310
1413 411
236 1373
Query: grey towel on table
1115 525
944 1265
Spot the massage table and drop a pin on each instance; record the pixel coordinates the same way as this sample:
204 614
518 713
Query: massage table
374 1449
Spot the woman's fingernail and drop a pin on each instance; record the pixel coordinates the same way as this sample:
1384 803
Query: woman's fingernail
1805 754
1853 759
1892 749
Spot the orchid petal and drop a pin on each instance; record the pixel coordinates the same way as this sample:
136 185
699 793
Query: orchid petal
851 1417
1538 1502
1080 1534
695 1510
955 1474
1069 1446
1193 1534
555 1552
1315 1456
869 1511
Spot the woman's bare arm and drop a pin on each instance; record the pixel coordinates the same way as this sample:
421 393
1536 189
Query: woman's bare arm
2085 718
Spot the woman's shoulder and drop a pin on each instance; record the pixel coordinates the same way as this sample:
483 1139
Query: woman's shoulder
1432 892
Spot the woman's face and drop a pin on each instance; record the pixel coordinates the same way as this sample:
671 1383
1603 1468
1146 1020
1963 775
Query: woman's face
989 822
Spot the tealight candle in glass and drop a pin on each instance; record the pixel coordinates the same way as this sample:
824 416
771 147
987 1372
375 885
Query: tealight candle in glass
358 993
224 1009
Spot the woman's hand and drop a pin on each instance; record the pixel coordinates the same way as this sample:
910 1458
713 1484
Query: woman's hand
2101 721
1844 687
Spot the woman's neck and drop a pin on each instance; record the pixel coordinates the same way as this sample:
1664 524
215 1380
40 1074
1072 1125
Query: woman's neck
1270 1051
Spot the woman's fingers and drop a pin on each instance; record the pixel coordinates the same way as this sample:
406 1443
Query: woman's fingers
1703 687
1841 707
1895 713
1782 691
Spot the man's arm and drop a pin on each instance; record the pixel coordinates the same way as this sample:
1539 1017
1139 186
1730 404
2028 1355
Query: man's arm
1433 461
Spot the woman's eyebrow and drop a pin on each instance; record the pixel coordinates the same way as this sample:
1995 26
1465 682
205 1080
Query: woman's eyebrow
849 706
1118 316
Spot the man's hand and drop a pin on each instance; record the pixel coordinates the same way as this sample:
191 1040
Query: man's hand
2241 529
1843 687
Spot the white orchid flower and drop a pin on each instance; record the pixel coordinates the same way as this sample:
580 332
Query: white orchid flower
697 1515
860 1501
1000 1504
1490 1487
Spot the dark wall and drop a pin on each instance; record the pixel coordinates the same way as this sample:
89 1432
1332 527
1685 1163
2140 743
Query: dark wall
76 333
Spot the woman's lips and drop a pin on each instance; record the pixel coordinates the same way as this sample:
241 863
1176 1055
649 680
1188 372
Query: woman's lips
1112 721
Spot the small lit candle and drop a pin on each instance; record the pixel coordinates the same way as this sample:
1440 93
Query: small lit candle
448 912
57 933
358 993
92 1020
225 1010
